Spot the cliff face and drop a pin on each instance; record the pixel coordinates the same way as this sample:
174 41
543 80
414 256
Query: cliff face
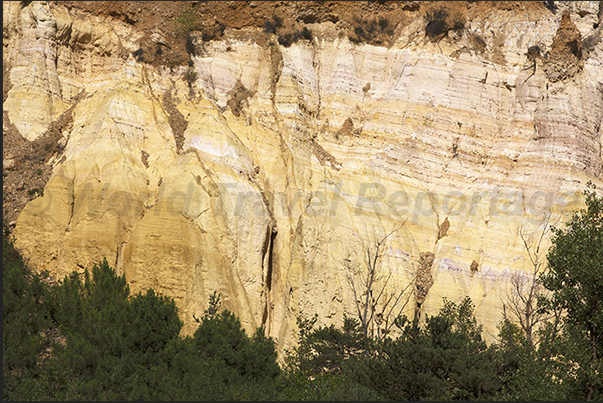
269 172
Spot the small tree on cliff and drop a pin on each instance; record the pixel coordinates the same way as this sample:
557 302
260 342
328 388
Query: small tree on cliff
376 309
522 301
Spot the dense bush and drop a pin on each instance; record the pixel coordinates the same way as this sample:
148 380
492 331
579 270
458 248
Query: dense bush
286 35
190 75
270 25
187 21
446 359
439 22
87 338
436 23
375 31
24 320
221 339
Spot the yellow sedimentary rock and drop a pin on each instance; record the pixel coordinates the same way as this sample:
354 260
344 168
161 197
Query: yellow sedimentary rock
273 199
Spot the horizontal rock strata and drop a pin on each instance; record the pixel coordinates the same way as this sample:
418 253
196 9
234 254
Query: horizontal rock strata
271 172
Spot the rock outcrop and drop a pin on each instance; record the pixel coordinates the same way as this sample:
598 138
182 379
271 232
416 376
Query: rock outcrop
275 170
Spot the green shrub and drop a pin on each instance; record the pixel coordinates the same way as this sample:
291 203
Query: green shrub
186 22
271 24
458 22
111 345
443 360
190 75
376 31
190 45
287 39
278 20
270 27
25 321
383 23
436 23
35 192
439 22
324 387
138 55
286 36
306 34
214 32
221 340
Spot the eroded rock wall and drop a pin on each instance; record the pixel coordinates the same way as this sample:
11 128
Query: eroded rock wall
274 173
